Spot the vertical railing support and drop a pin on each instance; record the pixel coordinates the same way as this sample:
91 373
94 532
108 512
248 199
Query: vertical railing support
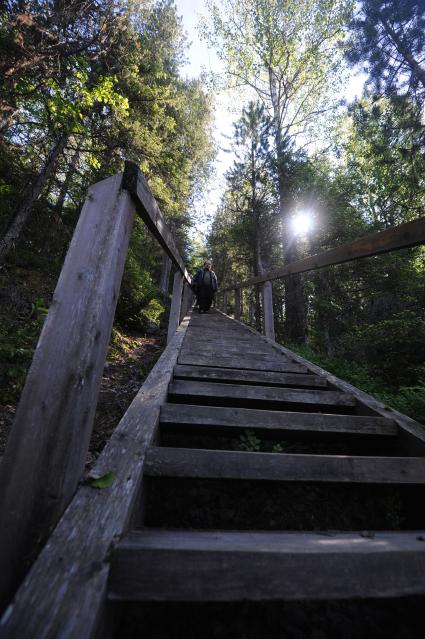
176 302
165 274
187 300
225 302
237 304
268 310
47 447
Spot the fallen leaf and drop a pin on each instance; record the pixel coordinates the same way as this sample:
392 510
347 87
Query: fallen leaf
105 481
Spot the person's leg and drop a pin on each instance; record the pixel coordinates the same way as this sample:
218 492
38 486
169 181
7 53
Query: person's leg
202 300
209 300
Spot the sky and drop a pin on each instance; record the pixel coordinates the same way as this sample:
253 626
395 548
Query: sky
201 58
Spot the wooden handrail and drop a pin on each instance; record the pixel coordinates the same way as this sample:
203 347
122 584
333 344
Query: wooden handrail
405 235
46 452
147 207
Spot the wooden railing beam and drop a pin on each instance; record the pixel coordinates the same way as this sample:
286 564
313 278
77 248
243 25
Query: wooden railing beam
268 310
187 299
47 447
147 207
225 302
176 303
237 304
404 236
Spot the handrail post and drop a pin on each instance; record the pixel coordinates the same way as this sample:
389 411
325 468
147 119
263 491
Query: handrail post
165 274
187 298
47 447
225 302
176 302
237 304
268 310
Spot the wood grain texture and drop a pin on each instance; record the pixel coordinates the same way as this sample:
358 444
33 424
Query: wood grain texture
267 294
237 303
264 378
403 236
239 419
66 587
213 464
47 448
238 566
242 362
135 182
176 303
413 431
204 390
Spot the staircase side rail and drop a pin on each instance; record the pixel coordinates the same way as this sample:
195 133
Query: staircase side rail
47 448
405 235
147 207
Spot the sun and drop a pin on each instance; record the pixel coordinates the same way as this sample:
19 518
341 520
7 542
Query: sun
302 223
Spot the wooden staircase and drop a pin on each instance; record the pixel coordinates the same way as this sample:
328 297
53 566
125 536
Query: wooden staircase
241 475
193 544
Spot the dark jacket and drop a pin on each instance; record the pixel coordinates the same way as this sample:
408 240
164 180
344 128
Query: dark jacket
198 280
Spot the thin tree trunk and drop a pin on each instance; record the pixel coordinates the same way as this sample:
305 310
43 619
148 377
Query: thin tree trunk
414 65
295 299
7 121
65 184
31 195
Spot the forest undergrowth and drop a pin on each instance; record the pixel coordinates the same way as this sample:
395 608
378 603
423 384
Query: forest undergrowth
408 399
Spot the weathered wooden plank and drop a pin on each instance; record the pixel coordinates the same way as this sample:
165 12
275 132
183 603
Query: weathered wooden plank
265 378
268 310
176 301
186 300
411 431
242 362
134 181
66 587
224 349
165 565
237 303
239 419
213 464
205 390
406 235
46 452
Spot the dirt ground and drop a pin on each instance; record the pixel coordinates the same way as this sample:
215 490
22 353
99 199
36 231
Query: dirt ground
130 359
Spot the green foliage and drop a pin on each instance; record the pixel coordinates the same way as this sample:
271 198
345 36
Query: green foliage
387 37
409 400
395 348
16 351
138 305
105 481
249 442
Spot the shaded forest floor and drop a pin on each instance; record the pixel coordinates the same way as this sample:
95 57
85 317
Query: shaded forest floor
24 298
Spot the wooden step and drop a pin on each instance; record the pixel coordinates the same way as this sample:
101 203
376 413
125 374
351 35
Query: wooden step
223 420
213 464
264 378
277 364
231 394
243 362
161 565
222 350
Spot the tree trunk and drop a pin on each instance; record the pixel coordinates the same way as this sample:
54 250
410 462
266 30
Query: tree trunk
295 298
31 195
414 65
65 184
